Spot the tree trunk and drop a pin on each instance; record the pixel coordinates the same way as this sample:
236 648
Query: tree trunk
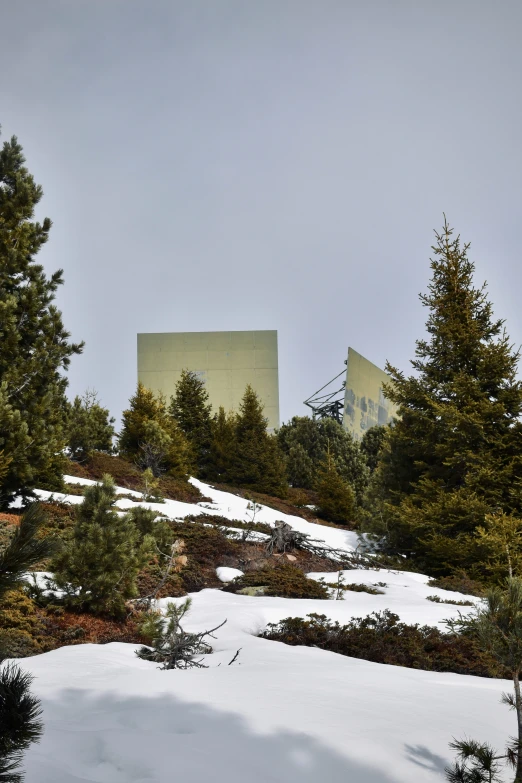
518 704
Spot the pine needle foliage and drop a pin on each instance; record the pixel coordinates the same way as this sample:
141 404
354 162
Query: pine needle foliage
89 427
98 568
305 443
335 497
497 626
476 763
371 445
25 549
192 412
34 345
453 455
223 428
20 723
171 645
255 461
151 438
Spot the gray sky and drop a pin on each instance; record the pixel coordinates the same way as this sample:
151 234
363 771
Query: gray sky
265 164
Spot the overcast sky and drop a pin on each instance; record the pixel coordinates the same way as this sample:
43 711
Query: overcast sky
265 164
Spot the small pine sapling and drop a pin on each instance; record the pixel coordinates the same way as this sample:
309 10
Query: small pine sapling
252 509
98 567
151 487
171 645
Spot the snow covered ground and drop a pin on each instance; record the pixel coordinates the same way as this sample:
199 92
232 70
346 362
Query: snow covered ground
223 504
278 713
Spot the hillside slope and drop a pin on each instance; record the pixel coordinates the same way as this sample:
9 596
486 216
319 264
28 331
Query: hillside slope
278 713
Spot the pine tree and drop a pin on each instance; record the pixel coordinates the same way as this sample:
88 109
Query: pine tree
98 568
192 412
24 550
152 438
300 467
453 455
89 427
256 461
222 444
19 710
316 436
34 346
500 539
20 723
371 445
335 498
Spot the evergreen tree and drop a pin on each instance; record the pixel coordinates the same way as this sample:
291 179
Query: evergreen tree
20 723
335 498
24 550
222 444
89 427
500 540
256 461
98 568
191 410
316 436
453 455
299 466
152 438
371 445
19 710
34 346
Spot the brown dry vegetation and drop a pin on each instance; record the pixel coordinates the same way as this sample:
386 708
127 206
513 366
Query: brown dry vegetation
295 503
127 475
28 629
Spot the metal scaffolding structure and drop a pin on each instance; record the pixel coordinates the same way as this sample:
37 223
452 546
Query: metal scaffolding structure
329 405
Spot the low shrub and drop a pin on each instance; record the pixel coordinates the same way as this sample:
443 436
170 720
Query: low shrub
459 582
354 587
66 628
283 580
152 575
205 547
20 625
59 521
74 489
218 521
382 638
126 474
177 489
438 600
286 506
28 629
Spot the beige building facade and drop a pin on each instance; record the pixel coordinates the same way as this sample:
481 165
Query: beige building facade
225 361
364 402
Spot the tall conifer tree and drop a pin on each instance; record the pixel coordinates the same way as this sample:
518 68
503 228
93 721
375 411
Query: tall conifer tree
34 346
335 497
152 438
454 454
317 437
89 427
223 428
256 461
191 410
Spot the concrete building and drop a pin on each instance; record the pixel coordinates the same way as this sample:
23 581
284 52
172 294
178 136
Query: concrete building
364 402
226 361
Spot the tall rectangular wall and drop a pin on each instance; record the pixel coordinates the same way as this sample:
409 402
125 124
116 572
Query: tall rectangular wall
364 402
225 361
